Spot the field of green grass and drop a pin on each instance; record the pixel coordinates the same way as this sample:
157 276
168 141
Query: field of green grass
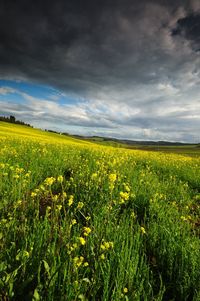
184 149
192 150
81 221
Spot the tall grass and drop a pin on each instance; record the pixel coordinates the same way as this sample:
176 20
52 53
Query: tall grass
85 222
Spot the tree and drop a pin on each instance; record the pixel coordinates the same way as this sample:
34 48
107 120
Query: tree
12 119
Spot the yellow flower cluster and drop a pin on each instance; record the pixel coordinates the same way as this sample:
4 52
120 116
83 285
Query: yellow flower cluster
143 230
82 240
87 231
49 181
94 176
79 261
124 196
71 200
186 218
112 179
60 179
80 205
106 245
73 222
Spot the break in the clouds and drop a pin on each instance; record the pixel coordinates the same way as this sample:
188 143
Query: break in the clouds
127 69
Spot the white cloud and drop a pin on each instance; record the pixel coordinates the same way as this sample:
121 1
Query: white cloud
136 78
167 88
6 90
147 121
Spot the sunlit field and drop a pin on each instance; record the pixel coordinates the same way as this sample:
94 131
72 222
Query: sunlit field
80 221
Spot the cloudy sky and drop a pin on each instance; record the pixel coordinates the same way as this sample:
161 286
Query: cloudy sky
117 68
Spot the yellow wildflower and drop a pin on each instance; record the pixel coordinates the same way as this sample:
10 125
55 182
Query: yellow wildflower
59 207
16 176
102 257
55 197
71 200
42 187
127 188
26 254
143 230
78 261
33 194
112 177
19 170
111 244
49 181
80 205
64 195
82 240
106 245
124 195
184 218
19 202
73 222
75 245
94 176
60 179
87 231
102 247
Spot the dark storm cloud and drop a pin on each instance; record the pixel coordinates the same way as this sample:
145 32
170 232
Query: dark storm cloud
135 62
189 27
74 44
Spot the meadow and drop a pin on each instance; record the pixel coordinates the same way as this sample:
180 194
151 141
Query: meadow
80 221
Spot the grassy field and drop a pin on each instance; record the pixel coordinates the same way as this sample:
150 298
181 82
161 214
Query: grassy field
187 149
80 221
192 150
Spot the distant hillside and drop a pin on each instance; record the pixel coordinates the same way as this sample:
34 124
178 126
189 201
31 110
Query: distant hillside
131 142
106 140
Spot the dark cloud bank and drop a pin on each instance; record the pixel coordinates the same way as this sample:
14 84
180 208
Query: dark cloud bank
136 63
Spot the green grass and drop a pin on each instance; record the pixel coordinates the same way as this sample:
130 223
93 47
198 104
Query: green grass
80 221
192 150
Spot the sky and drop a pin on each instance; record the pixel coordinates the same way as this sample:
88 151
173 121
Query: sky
116 68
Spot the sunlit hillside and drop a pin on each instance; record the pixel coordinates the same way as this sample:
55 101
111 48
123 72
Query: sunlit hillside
9 130
81 221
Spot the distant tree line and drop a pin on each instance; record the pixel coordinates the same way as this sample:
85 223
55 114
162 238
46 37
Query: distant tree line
56 132
12 119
